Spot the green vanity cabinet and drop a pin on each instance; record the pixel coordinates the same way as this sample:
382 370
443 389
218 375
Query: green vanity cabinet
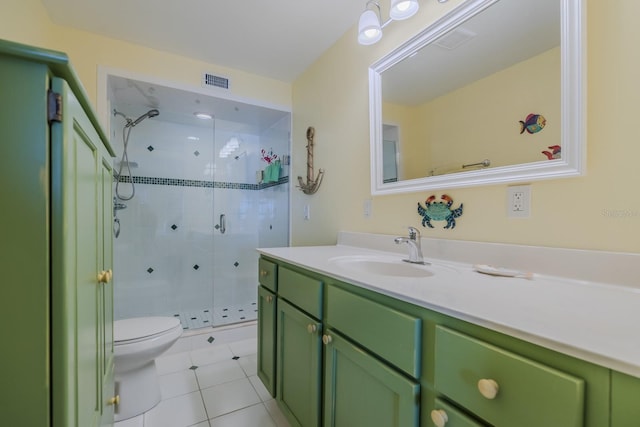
625 400
56 247
366 382
387 362
362 391
504 388
444 414
267 339
267 303
299 365
299 347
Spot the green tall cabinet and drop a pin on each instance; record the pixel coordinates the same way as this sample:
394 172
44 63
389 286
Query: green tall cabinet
56 304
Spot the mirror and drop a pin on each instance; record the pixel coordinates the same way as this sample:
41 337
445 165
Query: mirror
493 92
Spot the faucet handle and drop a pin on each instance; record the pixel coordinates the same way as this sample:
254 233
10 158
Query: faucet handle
414 233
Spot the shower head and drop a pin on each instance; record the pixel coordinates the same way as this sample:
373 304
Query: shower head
150 113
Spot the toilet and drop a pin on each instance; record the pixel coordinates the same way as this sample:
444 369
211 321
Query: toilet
138 342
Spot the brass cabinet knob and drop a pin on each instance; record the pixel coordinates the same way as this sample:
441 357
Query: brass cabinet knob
269 299
488 388
311 328
115 400
105 276
264 273
326 339
439 417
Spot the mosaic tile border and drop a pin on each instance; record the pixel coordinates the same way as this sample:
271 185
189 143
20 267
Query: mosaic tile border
197 183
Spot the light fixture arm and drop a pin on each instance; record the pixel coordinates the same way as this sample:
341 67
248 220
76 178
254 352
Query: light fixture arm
312 185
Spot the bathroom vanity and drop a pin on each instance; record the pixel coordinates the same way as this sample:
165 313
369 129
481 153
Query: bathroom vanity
350 336
57 296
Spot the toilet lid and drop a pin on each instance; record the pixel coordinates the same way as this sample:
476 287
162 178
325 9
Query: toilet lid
142 327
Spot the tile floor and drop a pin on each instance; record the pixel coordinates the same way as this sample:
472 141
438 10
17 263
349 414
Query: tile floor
209 380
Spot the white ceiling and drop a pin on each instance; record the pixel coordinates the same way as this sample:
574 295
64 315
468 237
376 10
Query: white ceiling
276 38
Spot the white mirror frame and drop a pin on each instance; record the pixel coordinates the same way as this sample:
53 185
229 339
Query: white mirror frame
573 107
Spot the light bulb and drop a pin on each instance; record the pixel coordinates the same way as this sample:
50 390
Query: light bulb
403 9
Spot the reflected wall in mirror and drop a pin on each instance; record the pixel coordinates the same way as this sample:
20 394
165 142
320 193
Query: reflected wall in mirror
446 106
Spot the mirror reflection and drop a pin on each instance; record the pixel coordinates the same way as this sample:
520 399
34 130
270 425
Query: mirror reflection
479 91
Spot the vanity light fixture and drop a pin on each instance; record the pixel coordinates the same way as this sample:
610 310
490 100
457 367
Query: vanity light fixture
370 26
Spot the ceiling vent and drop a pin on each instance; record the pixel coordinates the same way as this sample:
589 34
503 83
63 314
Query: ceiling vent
211 80
455 38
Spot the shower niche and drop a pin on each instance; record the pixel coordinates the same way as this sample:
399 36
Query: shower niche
186 239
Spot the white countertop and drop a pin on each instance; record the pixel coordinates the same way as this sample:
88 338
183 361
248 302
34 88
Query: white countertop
592 321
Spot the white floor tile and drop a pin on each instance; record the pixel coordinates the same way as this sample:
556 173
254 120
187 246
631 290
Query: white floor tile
178 383
244 347
181 411
260 388
249 364
253 416
213 354
229 397
219 373
131 422
204 340
276 413
173 363
183 344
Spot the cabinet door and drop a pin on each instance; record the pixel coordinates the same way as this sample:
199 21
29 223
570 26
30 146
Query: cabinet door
299 366
267 339
625 400
361 391
447 415
76 310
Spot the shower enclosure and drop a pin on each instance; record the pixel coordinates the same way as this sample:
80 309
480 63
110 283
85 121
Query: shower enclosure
187 239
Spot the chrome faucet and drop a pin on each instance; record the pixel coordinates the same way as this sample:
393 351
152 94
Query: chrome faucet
415 250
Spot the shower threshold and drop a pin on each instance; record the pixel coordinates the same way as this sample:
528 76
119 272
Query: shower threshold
217 316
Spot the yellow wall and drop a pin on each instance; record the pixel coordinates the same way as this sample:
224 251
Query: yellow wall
27 21
598 211
481 120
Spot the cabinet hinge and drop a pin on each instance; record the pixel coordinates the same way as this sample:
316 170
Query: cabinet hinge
54 107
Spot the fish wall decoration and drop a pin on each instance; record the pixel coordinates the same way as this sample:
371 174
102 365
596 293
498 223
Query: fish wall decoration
555 153
533 123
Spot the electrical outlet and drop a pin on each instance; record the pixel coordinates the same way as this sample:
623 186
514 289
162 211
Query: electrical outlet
519 201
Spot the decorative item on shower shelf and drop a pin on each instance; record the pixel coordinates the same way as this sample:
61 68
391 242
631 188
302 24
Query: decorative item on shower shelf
439 211
312 185
272 171
555 152
268 157
534 123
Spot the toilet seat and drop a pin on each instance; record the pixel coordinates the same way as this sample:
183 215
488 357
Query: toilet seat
129 331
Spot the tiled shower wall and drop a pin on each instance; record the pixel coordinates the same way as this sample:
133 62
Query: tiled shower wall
169 258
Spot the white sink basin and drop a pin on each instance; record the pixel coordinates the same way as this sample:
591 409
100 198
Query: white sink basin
382 266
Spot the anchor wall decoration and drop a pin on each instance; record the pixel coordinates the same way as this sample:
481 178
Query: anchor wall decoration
312 185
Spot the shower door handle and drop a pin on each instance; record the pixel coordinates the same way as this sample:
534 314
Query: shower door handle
116 227
222 225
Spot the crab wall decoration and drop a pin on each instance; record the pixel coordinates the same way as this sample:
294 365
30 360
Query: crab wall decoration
439 211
